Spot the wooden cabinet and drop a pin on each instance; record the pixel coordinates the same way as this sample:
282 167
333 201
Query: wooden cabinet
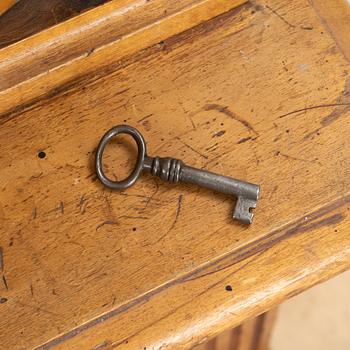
255 90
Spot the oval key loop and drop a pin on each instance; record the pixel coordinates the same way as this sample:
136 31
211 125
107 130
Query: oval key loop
141 145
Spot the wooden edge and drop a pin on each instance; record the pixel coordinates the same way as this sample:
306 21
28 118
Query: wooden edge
5 5
76 36
22 89
335 17
261 275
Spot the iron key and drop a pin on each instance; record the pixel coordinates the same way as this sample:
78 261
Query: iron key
174 170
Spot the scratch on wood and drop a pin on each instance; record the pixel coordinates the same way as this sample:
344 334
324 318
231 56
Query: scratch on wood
177 213
192 149
225 110
82 204
5 282
219 133
31 289
61 207
212 147
244 139
36 308
280 16
107 222
109 206
192 122
296 158
1 259
101 345
145 117
133 217
151 196
36 176
314 107
34 213
89 52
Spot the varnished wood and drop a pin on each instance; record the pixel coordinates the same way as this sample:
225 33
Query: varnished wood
29 17
249 92
20 88
5 5
253 334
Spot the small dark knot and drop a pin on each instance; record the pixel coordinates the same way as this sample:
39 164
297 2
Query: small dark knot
168 169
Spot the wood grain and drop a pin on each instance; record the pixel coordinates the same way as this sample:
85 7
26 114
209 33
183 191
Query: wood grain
335 17
29 17
249 93
20 88
5 5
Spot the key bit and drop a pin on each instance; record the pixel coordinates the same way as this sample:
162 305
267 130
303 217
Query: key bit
174 170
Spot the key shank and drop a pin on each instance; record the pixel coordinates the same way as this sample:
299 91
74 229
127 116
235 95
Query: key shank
174 170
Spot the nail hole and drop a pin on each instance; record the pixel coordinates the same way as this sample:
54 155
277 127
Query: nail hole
134 229
228 288
41 154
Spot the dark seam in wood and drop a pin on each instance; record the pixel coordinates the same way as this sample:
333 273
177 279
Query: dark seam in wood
236 256
280 16
313 107
258 328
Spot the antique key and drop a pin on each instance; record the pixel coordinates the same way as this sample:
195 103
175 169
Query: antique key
174 170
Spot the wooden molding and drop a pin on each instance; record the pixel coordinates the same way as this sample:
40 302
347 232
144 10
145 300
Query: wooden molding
5 5
87 43
252 93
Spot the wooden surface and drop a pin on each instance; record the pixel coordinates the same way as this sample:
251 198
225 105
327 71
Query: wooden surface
259 92
253 334
5 5
29 17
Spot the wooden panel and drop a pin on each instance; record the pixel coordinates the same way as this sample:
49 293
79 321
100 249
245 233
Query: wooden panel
335 17
4 6
21 87
249 93
29 17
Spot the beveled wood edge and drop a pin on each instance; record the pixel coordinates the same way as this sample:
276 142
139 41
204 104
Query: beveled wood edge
335 17
14 59
250 300
5 5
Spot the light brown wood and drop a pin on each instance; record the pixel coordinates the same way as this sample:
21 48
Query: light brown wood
249 93
335 18
83 37
265 329
5 5
29 17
